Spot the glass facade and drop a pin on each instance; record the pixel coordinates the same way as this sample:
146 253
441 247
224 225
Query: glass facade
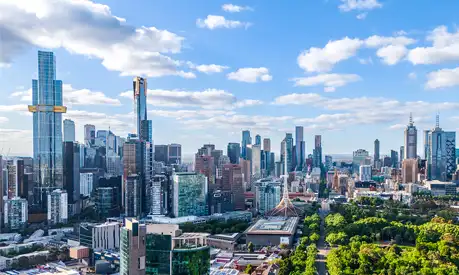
140 108
193 261
246 140
158 256
190 194
124 251
47 124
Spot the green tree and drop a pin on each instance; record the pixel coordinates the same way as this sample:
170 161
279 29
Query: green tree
336 238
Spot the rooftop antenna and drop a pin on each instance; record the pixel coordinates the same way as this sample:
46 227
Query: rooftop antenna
437 120
411 119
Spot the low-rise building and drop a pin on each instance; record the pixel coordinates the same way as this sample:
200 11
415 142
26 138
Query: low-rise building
272 231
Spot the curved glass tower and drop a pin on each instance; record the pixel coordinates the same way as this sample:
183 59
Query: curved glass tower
47 112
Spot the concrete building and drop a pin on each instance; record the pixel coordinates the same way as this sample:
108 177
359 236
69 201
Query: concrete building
410 171
267 195
100 236
132 199
272 231
360 157
204 165
16 213
365 172
71 176
256 160
267 145
57 207
376 156
232 180
86 183
300 148
89 135
132 248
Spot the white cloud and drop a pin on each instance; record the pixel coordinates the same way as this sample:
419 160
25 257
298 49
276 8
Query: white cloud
235 8
64 24
250 75
21 108
391 49
324 59
443 78
362 15
186 114
349 5
362 110
217 21
329 81
397 126
412 76
211 68
74 96
207 99
239 122
445 48
4 119
392 54
120 124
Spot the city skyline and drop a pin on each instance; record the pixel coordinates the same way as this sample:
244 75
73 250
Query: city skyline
208 93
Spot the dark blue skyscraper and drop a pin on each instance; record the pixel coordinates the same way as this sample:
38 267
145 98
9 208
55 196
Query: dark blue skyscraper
289 151
257 140
234 152
299 148
47 112
246 140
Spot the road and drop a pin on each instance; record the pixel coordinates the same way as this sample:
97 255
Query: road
323 250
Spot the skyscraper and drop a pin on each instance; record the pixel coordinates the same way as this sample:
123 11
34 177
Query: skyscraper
132 248
57 207
402 154
69 130
232 181
258 140
256 160
411 140
234 152
376 155
426 144
299 147
72 175
442 154
287 152
246 140
317 153
205 165
266 145
133 166
47 112
89 134
140 106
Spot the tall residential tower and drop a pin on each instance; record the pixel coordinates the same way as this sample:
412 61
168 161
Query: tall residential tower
47 108
411 140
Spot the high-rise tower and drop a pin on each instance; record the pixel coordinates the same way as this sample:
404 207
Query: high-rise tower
246 140
376 156
140 108
47 109
411 140
299 147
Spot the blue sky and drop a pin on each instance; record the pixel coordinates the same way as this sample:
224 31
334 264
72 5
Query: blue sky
350 70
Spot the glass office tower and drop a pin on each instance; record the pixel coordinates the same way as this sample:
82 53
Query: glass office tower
47 112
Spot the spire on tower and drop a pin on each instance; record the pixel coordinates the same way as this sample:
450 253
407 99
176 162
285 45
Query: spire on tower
411 119
437 121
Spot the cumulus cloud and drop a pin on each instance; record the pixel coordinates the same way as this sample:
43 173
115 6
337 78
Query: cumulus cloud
232 122
391 50
235 8
74 96
445 48
186 114
90 29
412 76
443 78
211 68
218 22
392 54
250 75
4 119
329 81
207 99
350 5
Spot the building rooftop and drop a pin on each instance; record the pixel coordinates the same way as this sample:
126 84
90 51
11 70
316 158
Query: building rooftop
274 226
